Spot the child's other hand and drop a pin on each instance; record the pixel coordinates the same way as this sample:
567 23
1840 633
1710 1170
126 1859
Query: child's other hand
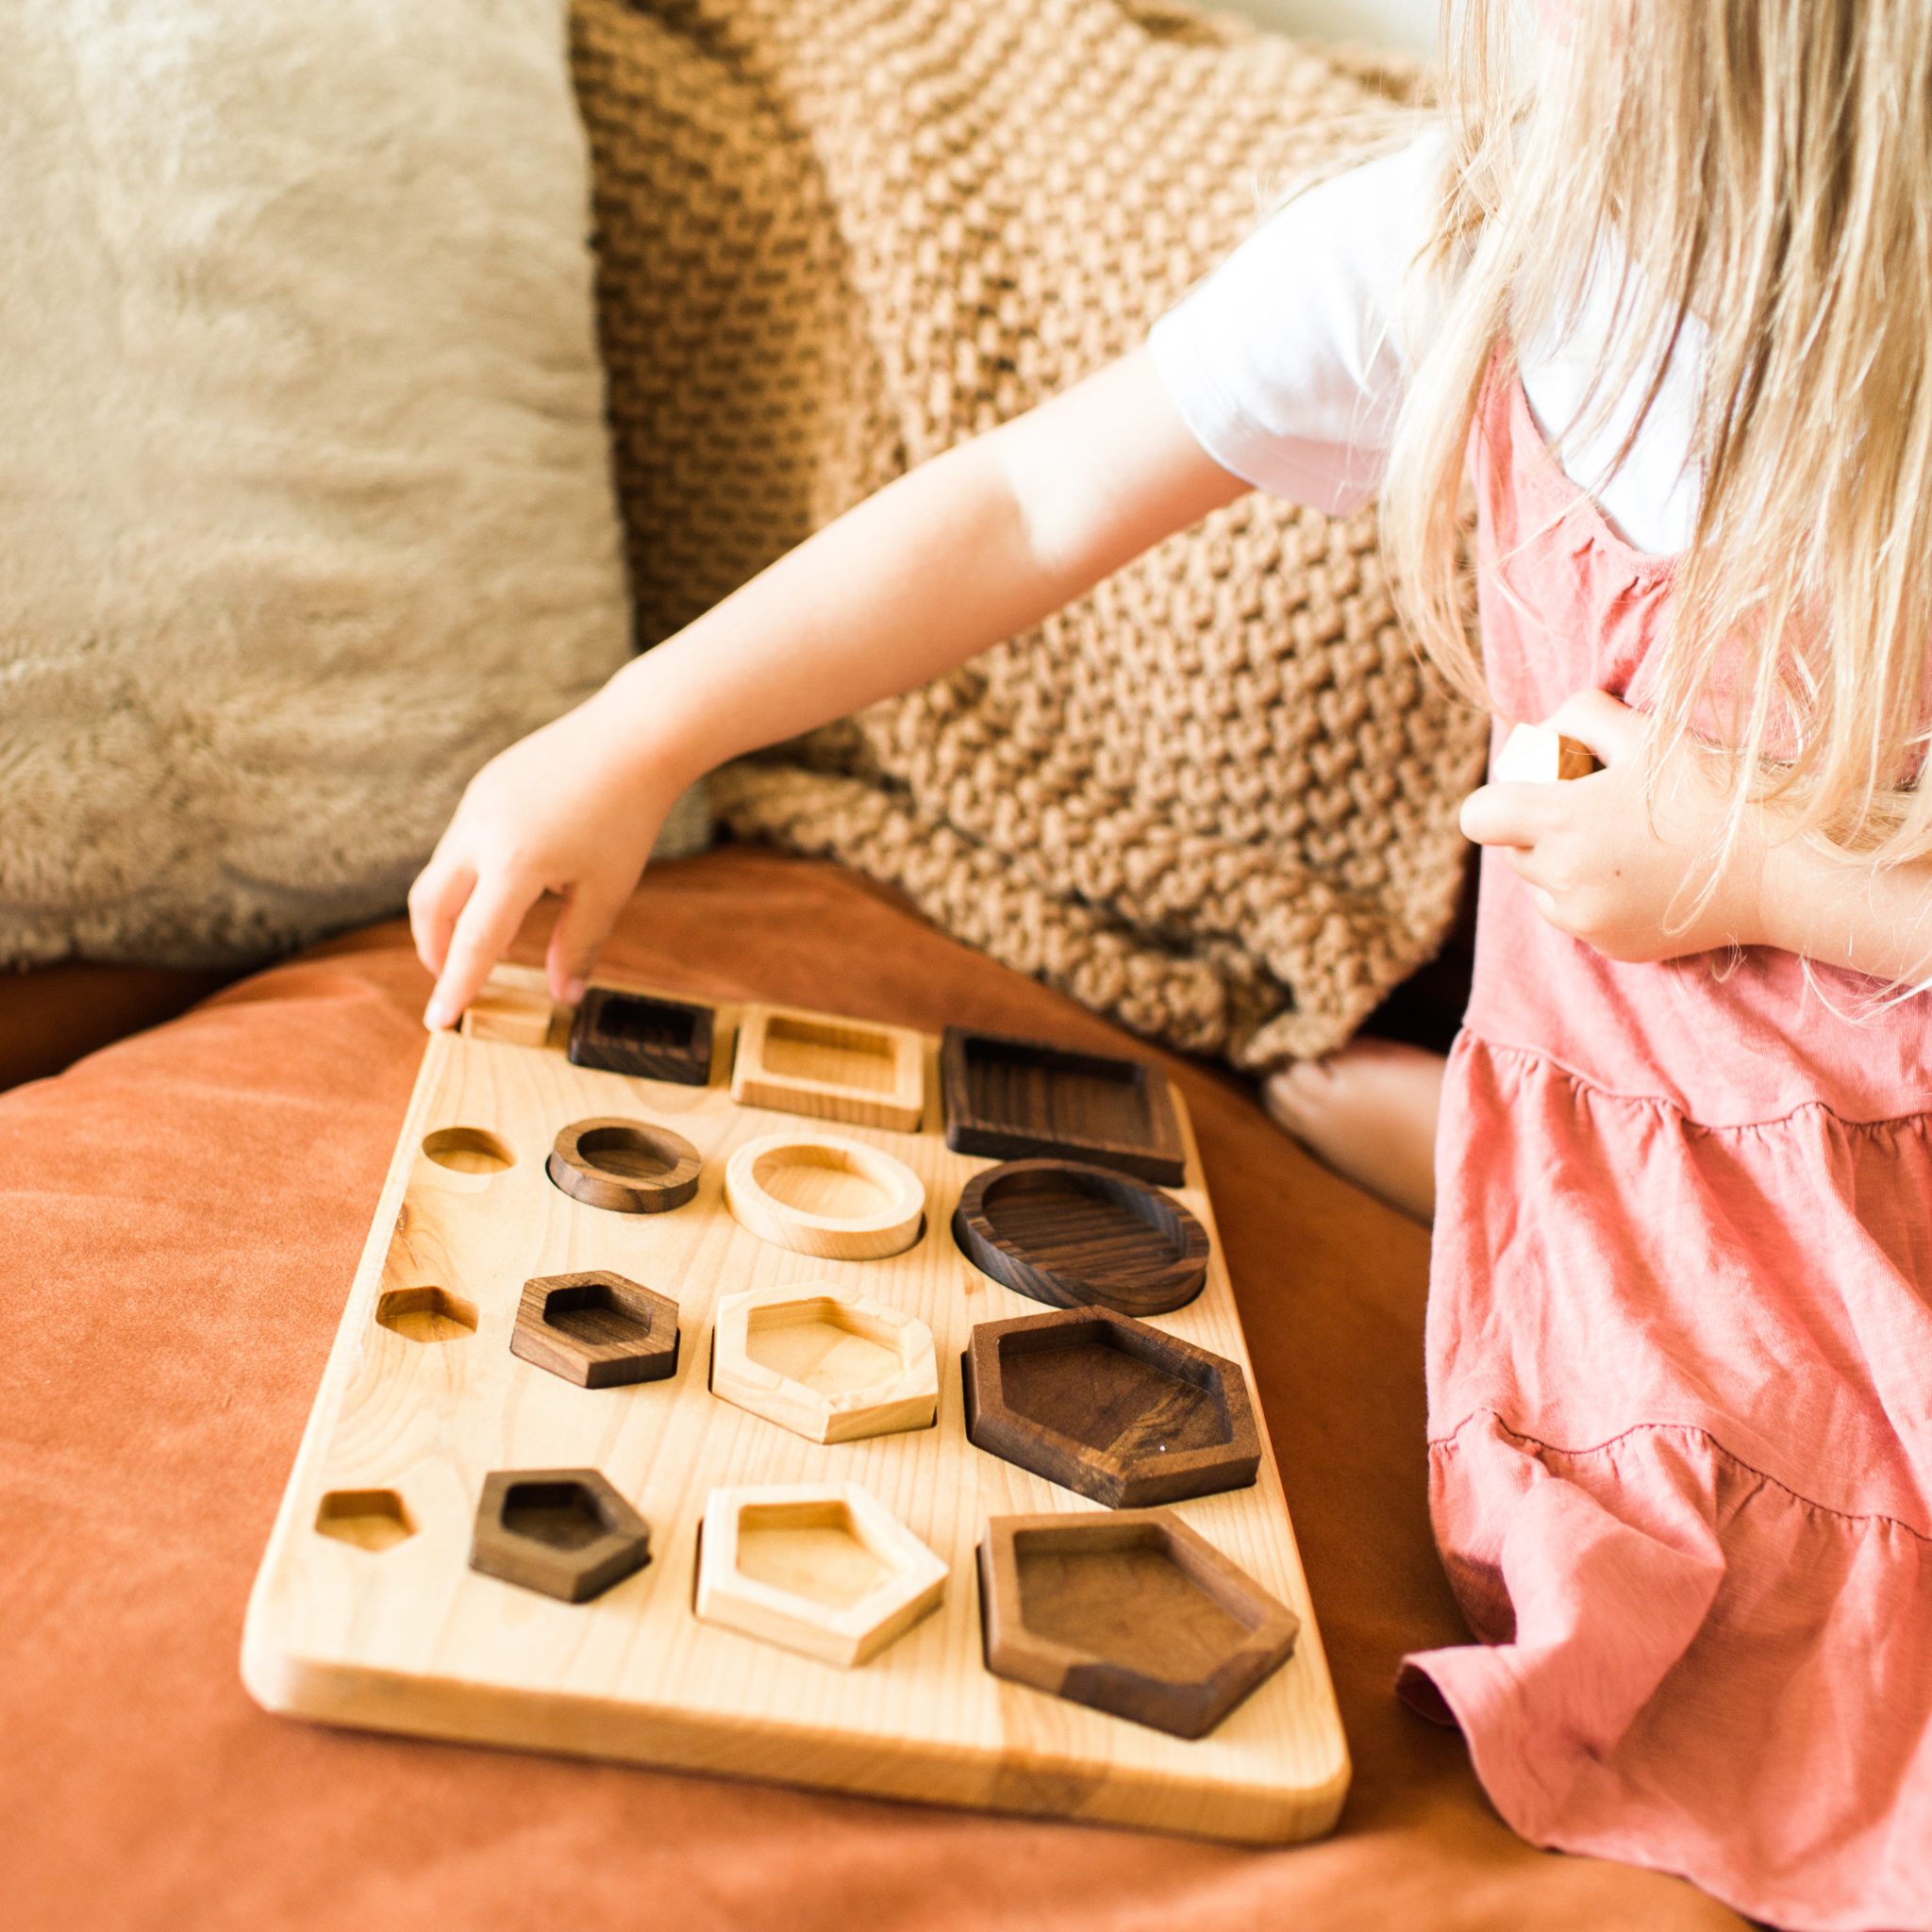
566 810
1616 869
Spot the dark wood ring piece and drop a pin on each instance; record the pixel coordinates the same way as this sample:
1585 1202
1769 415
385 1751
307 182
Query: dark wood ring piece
1075 1236
628 1165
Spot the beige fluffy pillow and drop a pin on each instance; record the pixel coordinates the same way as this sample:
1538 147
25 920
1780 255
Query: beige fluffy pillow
302 449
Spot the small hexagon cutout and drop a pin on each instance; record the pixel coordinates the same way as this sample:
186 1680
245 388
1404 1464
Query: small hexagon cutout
565 1532
823 1569
1113 1408
830 1364
1132 1613
599 1331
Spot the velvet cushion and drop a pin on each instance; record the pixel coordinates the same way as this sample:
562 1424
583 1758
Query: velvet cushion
182 1215
302 446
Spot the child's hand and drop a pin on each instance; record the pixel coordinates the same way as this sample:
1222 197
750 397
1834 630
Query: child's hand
1618 870
570 809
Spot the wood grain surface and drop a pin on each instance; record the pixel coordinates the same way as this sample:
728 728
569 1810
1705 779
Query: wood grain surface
626 1166
1134 1614
596 1328
1110 1407
408 1638
1076 1236
823 1569
1015 1098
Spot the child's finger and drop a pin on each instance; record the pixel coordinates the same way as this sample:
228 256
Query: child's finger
488 924
1613 731
436 902
1505 814
579 936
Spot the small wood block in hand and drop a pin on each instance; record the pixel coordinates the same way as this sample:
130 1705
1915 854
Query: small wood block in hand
1535 755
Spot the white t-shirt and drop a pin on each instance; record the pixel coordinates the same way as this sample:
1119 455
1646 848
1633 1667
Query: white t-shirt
1288 363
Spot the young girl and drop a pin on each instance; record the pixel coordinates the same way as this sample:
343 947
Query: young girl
1668 308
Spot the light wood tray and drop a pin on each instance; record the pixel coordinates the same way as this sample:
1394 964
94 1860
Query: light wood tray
409 1639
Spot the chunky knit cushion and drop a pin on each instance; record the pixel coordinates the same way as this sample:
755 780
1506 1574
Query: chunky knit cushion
307 492
1216 799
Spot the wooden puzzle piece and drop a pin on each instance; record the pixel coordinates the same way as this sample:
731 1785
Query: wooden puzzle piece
628 1166
817 1195
1535 755
650 1038
830 1364
1110 1408
599 1331
820 1568
831 1069
510 1015
565 1532
1012 1099
1135 1614
1076 1236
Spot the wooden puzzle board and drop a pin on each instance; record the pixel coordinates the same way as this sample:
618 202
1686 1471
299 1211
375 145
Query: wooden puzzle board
408 1638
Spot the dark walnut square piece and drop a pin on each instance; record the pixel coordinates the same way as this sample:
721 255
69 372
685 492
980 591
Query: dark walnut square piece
1110 1408
1134 1614
1012 1098
619 1032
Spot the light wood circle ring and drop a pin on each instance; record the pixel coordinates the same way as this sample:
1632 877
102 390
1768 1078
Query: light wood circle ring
832 1237
628 1165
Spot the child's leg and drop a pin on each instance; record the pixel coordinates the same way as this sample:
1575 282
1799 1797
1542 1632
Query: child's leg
1368 1112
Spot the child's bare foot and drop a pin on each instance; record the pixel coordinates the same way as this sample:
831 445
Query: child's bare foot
1370 1112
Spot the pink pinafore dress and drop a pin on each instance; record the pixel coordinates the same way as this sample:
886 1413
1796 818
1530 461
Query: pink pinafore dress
1680 1346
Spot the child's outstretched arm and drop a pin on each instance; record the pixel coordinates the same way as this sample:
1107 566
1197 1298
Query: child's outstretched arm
973 546
1608 871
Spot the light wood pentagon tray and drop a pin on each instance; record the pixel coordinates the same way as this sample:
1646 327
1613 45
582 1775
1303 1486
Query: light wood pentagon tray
393 1631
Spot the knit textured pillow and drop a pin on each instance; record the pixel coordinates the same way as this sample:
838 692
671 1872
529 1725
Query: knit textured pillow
1216 799
308 489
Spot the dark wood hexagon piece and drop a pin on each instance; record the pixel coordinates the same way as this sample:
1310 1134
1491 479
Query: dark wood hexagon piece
1074 1236
620 1032
1110 1407
1134 1614
630 1167
599 1331
565 1532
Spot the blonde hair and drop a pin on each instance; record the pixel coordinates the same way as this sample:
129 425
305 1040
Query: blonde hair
1763 166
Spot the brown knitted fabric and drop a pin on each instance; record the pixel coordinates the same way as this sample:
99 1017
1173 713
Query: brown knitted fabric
1216 799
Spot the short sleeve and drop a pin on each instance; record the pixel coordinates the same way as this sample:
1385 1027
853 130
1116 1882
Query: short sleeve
1289 363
